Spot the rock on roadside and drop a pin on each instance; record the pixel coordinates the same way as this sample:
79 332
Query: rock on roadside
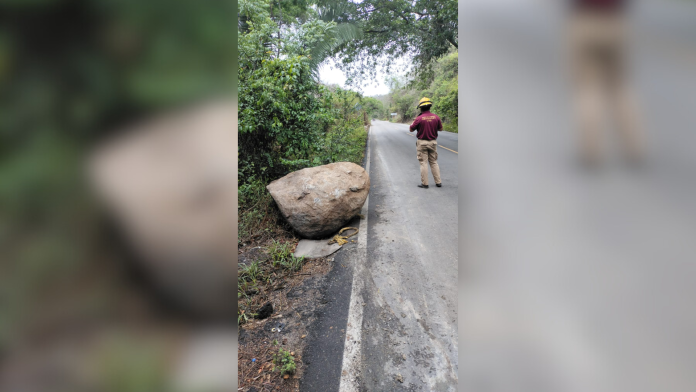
318 201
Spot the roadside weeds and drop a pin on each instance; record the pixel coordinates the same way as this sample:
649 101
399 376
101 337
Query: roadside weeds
270 349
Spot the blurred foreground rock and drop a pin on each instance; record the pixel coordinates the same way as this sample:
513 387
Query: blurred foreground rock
318 201
208 362
172 186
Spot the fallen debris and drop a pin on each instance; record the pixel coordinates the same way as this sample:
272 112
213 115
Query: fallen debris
342 240
298 298
265 311
315 248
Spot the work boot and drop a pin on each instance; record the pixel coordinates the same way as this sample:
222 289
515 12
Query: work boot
439 185
423 186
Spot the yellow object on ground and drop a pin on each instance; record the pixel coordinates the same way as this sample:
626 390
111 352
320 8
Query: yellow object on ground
342 240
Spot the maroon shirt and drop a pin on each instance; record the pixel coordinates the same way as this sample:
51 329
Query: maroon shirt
427 125
600 5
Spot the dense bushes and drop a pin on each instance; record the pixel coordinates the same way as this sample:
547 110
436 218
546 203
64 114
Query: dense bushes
287 142
283 115
72 72
287 119
373 107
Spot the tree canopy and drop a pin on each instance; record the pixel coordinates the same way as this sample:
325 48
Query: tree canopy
420 31
287 119
440 85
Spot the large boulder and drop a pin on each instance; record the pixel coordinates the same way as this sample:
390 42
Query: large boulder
171 185
318 201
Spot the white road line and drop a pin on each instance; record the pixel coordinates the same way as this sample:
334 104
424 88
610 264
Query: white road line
350 368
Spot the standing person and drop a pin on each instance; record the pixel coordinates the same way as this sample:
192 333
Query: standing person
599 70
428 125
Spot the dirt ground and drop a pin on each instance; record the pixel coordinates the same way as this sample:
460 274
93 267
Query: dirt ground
296 298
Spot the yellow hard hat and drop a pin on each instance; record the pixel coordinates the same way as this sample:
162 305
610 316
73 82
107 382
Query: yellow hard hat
424 102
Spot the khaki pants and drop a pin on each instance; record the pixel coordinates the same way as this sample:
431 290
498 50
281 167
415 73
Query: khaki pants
426 151
598 59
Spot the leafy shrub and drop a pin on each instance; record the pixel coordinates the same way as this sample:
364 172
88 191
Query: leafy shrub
251 272
257 212
440 85
287 119
281 256
293 263
283 115
279 252
285 362
341 138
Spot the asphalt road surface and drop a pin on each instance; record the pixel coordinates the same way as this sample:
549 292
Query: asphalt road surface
574 280
408 334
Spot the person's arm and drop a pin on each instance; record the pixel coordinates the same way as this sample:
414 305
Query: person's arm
439 124
414 125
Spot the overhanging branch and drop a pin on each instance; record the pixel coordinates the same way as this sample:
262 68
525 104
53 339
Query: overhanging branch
451 40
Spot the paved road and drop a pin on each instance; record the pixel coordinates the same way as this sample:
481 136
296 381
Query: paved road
409 279
574 280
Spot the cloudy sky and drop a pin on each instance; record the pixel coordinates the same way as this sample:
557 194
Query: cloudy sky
330 74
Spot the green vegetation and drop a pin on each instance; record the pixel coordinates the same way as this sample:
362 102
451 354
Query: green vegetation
373 107
294 263
130 364
287 119
385 30
243 317
440 86
281 256
281 261
284 362
71 73
251 272
279 251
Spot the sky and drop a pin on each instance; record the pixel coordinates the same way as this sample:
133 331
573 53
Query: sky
329 74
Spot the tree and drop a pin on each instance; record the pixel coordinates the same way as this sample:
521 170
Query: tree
440 85
419 30
373 107
443 89
273 29
285 115
404 103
